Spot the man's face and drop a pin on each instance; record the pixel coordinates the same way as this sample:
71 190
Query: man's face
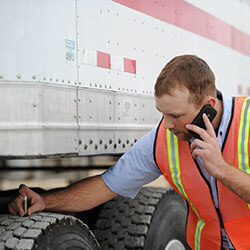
177 111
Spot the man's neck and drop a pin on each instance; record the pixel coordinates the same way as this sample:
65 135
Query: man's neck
219 108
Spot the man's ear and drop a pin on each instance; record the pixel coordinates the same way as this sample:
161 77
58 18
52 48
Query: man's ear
211 101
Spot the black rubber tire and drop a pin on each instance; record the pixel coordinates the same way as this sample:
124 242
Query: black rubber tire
155 217
45 231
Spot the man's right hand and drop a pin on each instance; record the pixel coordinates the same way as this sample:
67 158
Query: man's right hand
35 202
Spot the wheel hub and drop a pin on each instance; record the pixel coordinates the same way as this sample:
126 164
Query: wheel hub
175 245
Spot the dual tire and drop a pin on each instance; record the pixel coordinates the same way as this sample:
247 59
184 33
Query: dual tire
155 219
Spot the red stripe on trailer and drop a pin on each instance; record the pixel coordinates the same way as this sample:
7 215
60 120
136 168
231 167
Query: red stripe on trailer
248 91
129 65
186 16
103 60
240 91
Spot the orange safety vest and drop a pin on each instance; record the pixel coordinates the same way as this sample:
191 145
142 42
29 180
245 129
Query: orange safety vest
204 221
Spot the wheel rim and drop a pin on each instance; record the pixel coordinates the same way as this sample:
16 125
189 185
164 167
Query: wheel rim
175 245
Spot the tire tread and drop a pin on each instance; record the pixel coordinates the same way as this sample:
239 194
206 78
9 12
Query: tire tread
24 232
125 222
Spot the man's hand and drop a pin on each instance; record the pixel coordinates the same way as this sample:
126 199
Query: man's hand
208 149
35 202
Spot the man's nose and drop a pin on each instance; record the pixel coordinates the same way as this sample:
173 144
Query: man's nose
168 124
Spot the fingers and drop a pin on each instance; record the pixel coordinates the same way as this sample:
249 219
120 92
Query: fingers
205 135
11 209
201 132
196 153
209 126
197 143
16 206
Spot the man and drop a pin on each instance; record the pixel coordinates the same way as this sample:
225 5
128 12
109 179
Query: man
211 174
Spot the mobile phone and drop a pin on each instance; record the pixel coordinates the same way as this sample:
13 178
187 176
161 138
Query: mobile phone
198 120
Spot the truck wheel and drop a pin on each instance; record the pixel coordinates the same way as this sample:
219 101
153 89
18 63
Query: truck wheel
155 219
45 231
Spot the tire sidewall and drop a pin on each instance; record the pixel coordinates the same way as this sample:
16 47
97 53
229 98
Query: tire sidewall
168 222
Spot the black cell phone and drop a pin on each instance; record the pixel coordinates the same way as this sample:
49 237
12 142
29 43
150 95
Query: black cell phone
198 120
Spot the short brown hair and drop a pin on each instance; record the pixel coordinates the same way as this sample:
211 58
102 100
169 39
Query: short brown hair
189 71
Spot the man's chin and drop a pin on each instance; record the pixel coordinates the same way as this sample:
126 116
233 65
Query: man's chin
183 136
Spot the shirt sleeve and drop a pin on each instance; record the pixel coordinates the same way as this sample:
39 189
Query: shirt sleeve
134 169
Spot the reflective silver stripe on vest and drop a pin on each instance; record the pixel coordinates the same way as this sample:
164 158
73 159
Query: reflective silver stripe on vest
244 138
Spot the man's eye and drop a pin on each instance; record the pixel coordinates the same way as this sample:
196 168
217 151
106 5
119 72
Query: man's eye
176 116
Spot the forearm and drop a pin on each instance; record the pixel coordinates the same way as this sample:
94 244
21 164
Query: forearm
235 180
80 196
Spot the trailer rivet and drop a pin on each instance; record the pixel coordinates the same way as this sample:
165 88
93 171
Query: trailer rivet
34 77
1 76
80 142
19 76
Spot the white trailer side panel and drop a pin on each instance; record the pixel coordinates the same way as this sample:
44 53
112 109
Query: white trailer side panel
77 76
